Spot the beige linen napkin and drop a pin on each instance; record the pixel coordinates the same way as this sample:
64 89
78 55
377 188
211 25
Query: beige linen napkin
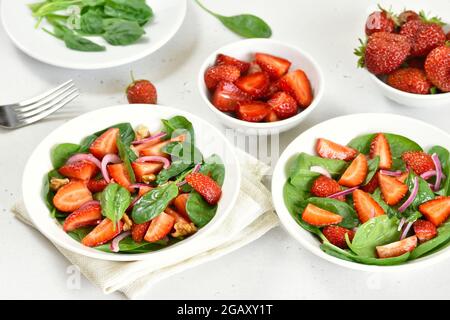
251 217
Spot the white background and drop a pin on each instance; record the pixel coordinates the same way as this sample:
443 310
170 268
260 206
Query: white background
274 267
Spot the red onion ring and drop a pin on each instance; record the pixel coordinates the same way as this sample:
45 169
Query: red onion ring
320 170
400 225
438 166
411 197
109 158
84 156
428 174
145 140
197 168
397 173
114 246
406 230
342 193
165 161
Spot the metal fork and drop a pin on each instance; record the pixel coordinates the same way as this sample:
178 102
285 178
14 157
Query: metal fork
17 115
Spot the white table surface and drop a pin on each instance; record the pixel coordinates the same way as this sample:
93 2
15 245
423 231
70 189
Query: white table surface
275 266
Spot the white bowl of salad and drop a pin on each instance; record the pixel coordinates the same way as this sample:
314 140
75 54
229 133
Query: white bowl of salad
368 191
129 183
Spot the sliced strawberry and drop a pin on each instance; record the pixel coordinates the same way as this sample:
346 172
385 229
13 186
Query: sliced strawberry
180 204
215 74
437 210
159 227
424 230
138 231
372 185
420 162
138 148
276 67
283 104
366 207
104 232
179 218
393 190
254 68
380 147
402 178
398 248
324 187
90 214
105 144
253 111
271 117
224 59
273 88
255 84
205 186
356 173
156 150
80 170
319 217
227 96
95 186
331 150
71 196
142 169
143 190
119 174
336 235
297 84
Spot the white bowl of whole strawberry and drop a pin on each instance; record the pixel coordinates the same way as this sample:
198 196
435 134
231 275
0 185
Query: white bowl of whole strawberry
260 84
408 56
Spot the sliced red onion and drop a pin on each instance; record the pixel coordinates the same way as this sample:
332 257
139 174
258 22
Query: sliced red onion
165 161
197 168
85 156
397 173
109 158
411 197
437 164
138 185
406 230
342 193
145 140
181 183
400 225
428 174
114 246
89 203
320 170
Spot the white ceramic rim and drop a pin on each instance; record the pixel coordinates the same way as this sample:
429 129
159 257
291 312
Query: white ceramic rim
261 125
28 193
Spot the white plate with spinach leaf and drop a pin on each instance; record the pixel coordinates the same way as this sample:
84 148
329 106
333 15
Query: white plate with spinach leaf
293 179
91 34
77 138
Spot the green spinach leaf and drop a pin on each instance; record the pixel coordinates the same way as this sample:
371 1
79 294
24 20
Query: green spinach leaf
127 156
372 170
120 32
176 168
305 161
423 195
184 151
62 152
79 43
399 144
178 125
214 168
444 158
426 247
91 22
199 211
133 10
114 201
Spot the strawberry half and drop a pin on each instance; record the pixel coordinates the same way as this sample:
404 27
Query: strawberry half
159 227
80 170
437 210
95 186
225 72
105 144
324 187
283 105
319 217
205 186
255 84
142 169
356 173
331 150
138 231
380 147
224 59
274 66
119 174
336 235
227 96
180 204
393 190
366 207
420 162
297 84
102 233
71 196
398 248
89 214
253 111
424 230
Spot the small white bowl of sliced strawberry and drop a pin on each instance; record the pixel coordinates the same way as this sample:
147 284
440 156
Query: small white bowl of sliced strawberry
408 56
260 84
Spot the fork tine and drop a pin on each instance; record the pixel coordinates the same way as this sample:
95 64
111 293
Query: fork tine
44 95
44 101
42 108
49 111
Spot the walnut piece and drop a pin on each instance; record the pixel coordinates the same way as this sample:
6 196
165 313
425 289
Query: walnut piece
142 132
148 178
56 183
184 229
127 222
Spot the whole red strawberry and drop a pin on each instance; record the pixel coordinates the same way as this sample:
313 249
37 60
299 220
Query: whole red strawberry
437 67
336 235
420 162
283 104
406 16
205 186
324 187
380 21
410 80
142 91
384 52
